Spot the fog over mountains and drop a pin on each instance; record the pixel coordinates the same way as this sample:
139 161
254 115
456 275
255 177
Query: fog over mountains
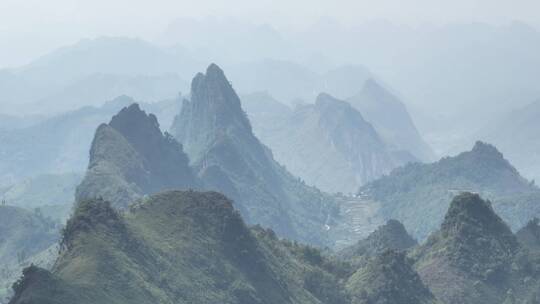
237 160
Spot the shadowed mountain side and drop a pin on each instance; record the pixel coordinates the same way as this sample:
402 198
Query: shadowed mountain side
130 157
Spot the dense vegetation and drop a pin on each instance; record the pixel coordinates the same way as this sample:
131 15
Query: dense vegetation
194 247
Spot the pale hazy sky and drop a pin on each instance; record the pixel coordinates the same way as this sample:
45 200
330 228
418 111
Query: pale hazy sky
29 28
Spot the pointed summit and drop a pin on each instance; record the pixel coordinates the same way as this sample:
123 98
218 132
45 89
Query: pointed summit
218 138
214 107
131 157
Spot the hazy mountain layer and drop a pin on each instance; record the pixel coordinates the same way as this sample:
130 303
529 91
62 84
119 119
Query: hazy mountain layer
327 144
426 189
515 135
391 119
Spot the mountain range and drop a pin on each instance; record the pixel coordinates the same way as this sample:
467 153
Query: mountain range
193 246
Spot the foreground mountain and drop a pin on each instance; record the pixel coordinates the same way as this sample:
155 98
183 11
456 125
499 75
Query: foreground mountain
193 247
25 237
176 247
328 144
131 157
390 236
475 258
391 119
217 136
426 189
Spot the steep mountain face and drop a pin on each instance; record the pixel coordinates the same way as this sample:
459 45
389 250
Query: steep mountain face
388 278
469 260
25 237
427 188
177 247
391 119
329 145
218 138
390 236
131 157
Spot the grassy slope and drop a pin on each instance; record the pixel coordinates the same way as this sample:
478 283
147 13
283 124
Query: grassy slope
179 247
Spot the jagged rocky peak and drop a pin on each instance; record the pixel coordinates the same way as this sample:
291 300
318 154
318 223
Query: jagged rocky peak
391 235
134 124
324 99
212 92
131 157
213 109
